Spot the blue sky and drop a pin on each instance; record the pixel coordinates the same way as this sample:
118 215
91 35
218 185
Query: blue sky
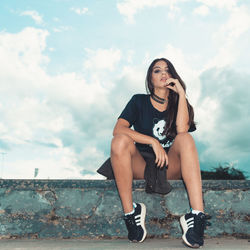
69 67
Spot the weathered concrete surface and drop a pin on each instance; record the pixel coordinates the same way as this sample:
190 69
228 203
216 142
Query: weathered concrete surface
151 244
91 208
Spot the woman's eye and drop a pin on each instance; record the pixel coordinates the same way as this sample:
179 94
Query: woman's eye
158 71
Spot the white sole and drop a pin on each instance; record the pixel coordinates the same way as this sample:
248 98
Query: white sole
185 228
143 215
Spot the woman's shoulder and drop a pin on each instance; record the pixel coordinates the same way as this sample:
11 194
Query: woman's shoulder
140 97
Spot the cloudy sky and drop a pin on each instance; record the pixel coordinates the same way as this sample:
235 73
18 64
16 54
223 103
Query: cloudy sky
69 67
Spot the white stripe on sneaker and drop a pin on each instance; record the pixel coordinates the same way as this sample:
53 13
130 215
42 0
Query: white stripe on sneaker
184 228
190 222
190 219
143 215
138 220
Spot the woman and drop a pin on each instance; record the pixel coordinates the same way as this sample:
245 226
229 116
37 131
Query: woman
161 122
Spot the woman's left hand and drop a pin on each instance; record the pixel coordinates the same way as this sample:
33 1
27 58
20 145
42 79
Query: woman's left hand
175 85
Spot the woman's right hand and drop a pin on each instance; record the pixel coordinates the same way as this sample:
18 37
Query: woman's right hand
161 157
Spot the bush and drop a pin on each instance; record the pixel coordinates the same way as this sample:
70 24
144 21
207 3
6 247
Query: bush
223 173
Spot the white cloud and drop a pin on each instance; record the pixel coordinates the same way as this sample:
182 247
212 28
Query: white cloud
104 59
236 25
21 54
67 111
91 156
206 119
227 35
202 10
129 8
80 11
34 15
55 113
133 79
62 28
222 4
130 56
174 11
59 163
222 115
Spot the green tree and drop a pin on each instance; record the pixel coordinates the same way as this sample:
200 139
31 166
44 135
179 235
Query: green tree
226 172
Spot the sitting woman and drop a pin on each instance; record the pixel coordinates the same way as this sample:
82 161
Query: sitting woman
161 122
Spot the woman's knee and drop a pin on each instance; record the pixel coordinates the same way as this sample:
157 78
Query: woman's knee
120 143
185 140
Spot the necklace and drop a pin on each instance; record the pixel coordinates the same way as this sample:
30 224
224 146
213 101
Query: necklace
158 99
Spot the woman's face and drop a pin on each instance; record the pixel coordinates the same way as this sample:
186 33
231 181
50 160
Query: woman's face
160 74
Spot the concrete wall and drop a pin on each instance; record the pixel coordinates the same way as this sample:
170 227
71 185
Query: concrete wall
91 208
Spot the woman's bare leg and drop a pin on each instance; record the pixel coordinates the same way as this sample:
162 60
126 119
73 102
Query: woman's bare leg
184 162
127 163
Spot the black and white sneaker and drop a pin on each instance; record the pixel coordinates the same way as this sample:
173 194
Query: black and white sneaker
135 224
193 229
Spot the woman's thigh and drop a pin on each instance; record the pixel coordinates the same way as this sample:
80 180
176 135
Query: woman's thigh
174 163
138 163
182 144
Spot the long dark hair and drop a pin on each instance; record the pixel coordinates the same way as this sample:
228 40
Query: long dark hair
173 98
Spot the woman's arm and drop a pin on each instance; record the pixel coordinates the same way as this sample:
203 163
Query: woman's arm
122 127
182 118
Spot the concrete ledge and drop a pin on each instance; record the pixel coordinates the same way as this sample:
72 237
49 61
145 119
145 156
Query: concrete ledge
91 208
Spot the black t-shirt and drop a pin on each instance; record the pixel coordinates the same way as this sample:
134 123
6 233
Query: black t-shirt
141 114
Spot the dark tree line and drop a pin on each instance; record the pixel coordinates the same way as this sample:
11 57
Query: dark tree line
223 173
